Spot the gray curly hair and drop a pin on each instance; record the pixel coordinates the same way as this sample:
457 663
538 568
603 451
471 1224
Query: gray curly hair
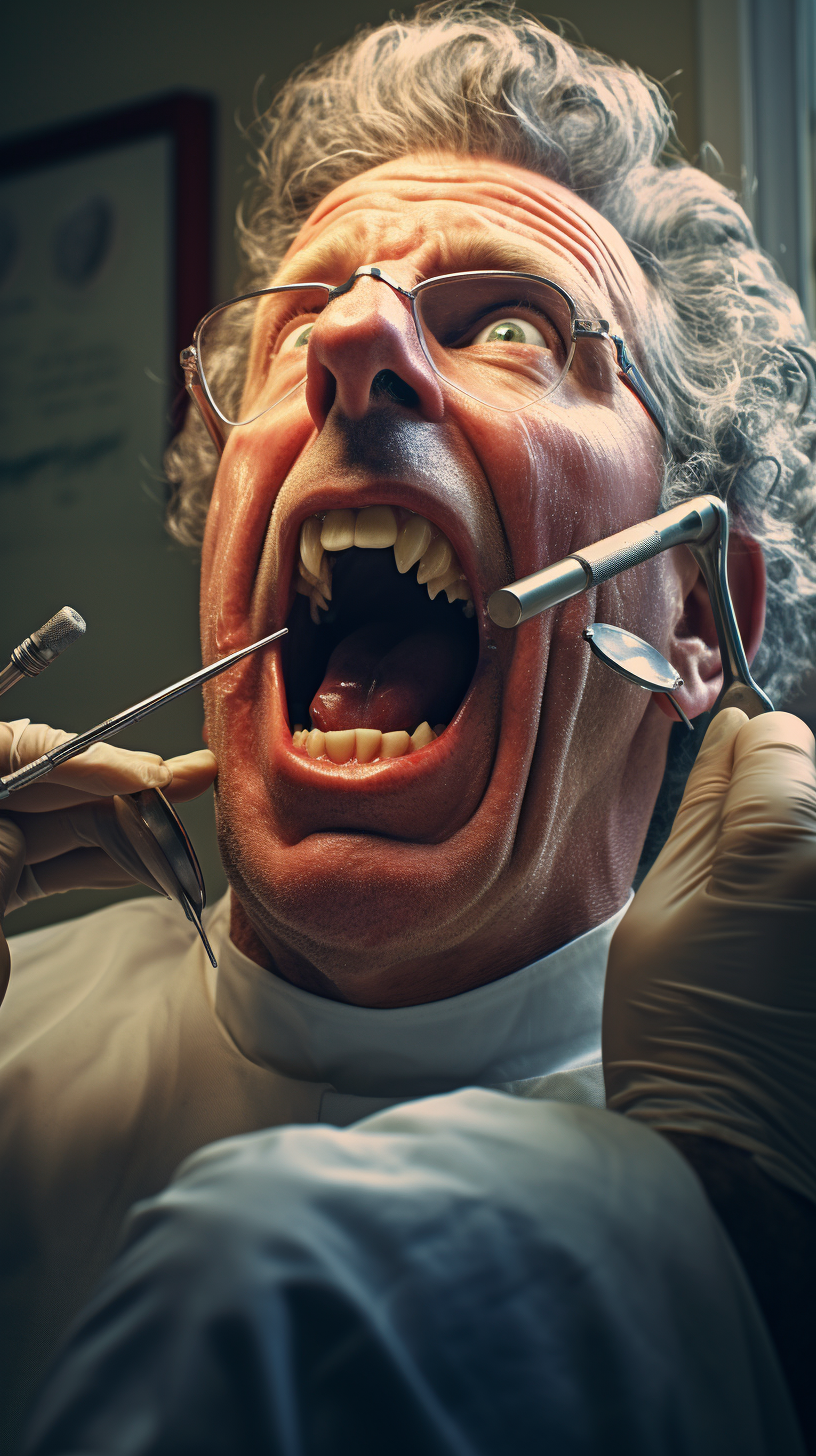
726 347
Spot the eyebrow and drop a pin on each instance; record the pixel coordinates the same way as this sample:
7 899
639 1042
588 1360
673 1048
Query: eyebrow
327 259
480 250
323 261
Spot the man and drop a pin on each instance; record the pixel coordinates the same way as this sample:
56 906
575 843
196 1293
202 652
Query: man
422 894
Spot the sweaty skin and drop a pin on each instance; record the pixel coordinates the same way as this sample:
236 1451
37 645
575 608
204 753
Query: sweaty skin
417 878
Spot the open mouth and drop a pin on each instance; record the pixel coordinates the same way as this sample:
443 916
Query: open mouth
383 642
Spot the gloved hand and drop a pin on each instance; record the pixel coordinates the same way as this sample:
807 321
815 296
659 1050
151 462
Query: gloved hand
710 1005
62 833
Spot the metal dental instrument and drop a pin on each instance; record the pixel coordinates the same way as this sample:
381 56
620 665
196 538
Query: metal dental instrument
155 831
702 525
38 651
635 660
22 777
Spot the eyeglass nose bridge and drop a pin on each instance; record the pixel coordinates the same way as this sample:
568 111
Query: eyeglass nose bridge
369 270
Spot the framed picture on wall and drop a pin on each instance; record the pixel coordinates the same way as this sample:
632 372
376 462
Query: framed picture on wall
105 268
105 262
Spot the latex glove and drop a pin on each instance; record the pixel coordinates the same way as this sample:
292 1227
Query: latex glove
62 833
710 1007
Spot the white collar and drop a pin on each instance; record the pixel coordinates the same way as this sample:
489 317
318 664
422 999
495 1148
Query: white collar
542 1019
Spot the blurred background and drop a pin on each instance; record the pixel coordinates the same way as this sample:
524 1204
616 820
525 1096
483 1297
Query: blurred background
122 162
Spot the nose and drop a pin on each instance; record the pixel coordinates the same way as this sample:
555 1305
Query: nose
363 349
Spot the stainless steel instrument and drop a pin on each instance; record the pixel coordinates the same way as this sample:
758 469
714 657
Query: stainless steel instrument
38 651
702 525
111 726
637 661
153 827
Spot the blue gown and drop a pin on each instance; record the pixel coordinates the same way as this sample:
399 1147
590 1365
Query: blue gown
471 1274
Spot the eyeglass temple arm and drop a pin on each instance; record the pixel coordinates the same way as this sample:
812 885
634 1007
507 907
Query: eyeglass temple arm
192 383
630 374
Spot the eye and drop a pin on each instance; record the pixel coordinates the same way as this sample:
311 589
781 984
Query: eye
296 338
511 331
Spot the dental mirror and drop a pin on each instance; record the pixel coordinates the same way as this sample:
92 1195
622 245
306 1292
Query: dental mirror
153 828
635 660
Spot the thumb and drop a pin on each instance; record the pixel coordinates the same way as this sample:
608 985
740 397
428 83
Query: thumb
769 811
192 774
12 858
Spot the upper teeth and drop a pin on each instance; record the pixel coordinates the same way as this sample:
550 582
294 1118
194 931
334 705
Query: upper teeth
413 538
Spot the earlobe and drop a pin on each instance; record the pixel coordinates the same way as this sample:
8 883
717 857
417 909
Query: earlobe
693 646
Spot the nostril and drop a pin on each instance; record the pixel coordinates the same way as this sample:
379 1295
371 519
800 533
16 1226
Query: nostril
389 384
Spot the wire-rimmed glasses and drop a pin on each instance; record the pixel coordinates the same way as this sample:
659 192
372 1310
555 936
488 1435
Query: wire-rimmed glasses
505 339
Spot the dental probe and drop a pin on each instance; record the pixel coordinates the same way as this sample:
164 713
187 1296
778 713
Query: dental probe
22 777
38 651
702 525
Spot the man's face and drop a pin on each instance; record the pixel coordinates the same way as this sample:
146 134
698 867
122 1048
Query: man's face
519 826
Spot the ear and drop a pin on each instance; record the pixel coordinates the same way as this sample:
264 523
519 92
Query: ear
693 646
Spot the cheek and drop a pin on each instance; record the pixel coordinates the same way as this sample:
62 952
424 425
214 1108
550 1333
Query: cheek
564 478
256 461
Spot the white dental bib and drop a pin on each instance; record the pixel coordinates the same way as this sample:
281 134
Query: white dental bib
536 1032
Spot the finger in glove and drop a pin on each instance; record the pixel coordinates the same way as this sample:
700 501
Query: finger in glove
51 839
101 770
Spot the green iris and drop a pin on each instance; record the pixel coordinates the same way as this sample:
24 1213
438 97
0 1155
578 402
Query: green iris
507 332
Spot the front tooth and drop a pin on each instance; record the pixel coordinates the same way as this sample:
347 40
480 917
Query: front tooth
436 560
412 542
394 745
376 526
340 745
367 745
315 743
338 531
422 735
311 551
437 583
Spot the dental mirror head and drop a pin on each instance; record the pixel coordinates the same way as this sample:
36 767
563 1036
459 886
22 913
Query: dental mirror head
635 660
158 836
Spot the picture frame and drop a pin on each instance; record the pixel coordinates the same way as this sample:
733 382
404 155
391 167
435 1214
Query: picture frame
106 229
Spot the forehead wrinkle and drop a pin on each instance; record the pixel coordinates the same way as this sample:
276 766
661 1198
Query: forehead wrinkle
374 217
568 214
505 181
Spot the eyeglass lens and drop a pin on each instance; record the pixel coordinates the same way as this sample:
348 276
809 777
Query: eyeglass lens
505 341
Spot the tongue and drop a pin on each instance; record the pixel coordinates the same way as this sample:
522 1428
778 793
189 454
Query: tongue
377 679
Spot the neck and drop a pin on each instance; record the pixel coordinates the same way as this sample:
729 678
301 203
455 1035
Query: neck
489 955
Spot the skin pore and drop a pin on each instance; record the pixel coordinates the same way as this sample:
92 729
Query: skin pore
416 878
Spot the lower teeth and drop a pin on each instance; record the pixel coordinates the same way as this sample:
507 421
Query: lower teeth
363 744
